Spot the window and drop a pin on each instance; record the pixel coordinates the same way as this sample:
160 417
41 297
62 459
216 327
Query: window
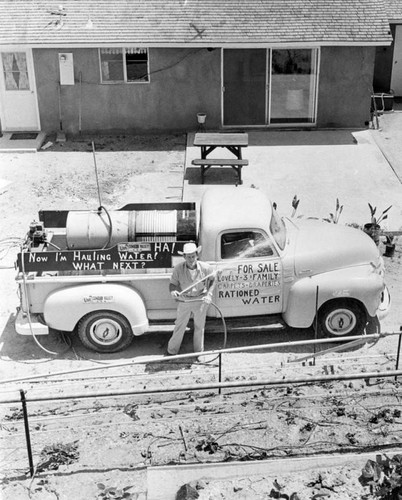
128 65
15 70
246 245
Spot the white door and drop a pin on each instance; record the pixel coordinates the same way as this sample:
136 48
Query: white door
396 78
19 106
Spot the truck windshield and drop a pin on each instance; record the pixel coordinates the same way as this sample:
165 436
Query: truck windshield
278 229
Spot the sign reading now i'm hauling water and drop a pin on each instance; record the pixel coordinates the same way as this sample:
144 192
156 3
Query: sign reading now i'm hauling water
124 256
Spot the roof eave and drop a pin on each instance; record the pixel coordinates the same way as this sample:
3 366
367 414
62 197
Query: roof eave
212 44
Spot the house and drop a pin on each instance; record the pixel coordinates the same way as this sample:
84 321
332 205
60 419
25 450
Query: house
388 61
152 65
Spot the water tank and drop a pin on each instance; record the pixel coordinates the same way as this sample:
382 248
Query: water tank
101 229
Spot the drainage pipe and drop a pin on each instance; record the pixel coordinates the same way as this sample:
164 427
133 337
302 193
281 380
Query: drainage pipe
373 336
203 387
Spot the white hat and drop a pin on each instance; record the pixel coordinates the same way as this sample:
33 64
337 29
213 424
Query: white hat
189 248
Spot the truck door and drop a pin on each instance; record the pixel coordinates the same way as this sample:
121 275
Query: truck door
250 278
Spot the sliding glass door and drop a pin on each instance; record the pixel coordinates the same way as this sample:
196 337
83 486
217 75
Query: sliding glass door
293 83
263 87
244 84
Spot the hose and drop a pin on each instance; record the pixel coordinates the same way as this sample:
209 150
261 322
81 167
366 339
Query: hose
6 245
225 331
53 353
101 207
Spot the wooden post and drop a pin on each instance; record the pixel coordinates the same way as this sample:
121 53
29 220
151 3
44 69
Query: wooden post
220 372
398 353
27 436
316 322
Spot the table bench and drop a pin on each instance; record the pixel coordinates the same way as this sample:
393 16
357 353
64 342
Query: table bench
207 163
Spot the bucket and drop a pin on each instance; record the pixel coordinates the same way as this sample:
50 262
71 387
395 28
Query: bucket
201 117
389 250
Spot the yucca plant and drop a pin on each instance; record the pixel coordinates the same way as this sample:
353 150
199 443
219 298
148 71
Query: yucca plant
334 218
295 204
377 220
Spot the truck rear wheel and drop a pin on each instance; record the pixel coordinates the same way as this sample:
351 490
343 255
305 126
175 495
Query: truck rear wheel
341 317
105 331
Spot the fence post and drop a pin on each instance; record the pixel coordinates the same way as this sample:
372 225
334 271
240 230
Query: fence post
316 322
27 436
220 372
398 353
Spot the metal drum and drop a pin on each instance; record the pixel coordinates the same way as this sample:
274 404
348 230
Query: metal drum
101 229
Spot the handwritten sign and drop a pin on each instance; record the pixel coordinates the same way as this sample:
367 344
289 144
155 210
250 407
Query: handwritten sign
124 256
251 284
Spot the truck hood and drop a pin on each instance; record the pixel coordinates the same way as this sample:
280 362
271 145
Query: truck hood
321 247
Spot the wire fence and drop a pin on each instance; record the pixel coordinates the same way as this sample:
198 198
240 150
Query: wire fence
219 381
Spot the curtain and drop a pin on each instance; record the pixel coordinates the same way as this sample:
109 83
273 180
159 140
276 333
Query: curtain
8 60
22 67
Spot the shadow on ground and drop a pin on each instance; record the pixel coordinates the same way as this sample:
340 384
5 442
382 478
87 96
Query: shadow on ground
214 176
122 142
68 346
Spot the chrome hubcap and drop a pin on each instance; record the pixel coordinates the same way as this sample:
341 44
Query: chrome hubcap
105 331
340 322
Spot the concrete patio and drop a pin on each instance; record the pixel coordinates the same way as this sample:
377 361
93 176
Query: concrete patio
317 166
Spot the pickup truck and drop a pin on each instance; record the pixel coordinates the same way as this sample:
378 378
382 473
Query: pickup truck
105 275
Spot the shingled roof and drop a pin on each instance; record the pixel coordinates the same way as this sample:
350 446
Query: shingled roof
170 23
394 10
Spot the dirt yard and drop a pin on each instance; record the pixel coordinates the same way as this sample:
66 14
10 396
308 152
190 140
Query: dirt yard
101 447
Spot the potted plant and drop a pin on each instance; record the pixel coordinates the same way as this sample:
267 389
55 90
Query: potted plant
389 245
373 228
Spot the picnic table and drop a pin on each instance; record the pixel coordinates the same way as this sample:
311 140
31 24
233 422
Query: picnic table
209 141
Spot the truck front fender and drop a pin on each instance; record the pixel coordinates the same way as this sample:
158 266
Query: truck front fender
360 284
63 308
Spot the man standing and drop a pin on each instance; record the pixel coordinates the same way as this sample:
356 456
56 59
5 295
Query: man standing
191 285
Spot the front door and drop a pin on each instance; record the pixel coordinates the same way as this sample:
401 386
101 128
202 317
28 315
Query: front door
18 99
244 86
396 79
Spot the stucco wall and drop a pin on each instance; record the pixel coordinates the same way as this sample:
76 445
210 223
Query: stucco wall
176 93
184 82
346 77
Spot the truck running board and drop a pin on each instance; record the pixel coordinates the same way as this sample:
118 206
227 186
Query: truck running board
214 325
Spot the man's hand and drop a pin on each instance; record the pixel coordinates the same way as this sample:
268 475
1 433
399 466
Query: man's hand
207 299
175 294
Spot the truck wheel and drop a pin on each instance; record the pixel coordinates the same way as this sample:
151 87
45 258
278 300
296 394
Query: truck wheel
105 331
341 317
